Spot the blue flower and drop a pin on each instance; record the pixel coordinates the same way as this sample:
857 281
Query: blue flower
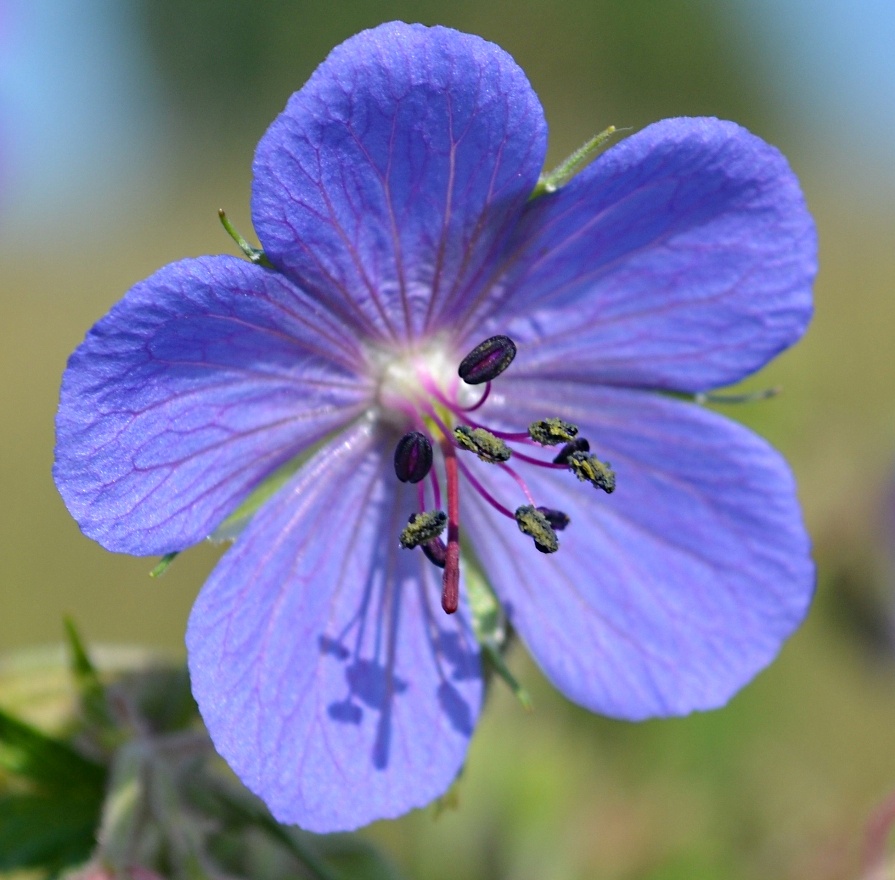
392 201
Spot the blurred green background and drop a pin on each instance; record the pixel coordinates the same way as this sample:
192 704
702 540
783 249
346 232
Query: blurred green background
124 126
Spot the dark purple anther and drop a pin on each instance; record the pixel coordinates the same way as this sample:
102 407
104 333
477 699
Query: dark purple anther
556 518
579 444
487 360
413 457
436 552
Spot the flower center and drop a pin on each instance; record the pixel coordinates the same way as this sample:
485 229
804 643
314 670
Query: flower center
405 383
430 396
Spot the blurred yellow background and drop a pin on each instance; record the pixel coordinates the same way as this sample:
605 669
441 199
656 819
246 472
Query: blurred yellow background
124 126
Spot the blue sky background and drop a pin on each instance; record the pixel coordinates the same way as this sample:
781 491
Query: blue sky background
80 107
835 62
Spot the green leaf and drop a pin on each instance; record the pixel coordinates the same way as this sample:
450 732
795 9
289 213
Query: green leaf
40 831
355 858
44 760
91 692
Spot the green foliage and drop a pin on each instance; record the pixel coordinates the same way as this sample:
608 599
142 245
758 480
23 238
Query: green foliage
156 796
41 759
49 815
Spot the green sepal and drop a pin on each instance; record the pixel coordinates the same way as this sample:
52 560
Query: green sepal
242 516
704 397
568 168
449 802
255 255
163 564
489 624
712 397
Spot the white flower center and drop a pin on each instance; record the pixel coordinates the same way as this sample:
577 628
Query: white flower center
407 382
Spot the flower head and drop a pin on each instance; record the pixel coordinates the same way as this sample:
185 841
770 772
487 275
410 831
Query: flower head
445 366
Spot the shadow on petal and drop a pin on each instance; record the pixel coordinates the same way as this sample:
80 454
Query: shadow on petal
456 708
345 711
453 648
333 647
373 684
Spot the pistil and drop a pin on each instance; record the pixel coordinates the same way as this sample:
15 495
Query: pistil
450 591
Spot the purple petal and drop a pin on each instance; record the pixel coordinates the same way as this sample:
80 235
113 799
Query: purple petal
326 673
200 382
673 592
396 171
682 258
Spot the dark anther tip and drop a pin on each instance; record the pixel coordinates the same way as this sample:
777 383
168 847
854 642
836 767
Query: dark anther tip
579 444
487 360
436 552
413 457
556 518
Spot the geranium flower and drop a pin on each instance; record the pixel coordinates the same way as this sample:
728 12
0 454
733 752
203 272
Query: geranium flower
392 202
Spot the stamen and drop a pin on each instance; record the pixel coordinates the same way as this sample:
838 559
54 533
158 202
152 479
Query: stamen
423 527
413 457
436 551
483 443
533 523
549 432
528 459
484 492
487 360
589 469
436 488
579 444
556 518
520 482
431 386
480 402
450 584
